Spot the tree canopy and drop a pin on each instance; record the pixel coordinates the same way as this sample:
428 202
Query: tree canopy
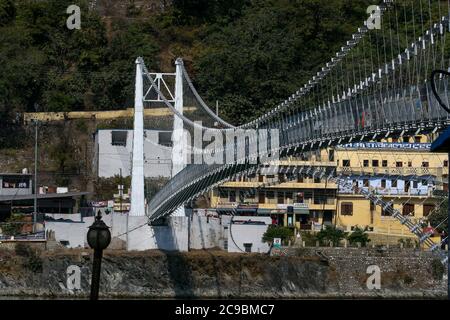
248 54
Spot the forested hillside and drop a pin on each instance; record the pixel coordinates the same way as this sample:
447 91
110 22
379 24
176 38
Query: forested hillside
248 54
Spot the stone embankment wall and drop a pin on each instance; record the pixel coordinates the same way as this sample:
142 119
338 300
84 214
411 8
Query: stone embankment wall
307 273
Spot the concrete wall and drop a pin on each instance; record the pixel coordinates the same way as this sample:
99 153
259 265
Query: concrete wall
174 236
207 232
111 158
248 233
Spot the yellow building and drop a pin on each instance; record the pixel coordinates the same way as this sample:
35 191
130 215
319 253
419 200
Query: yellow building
402 171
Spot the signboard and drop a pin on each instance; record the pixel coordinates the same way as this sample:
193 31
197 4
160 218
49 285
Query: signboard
386 145
277 242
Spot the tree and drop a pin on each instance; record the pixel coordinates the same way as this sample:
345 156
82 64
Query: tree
277 232
359 235
13 225
331 233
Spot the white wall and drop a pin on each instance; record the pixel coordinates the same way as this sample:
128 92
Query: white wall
157 158
206 232
174 236
73 232
238 234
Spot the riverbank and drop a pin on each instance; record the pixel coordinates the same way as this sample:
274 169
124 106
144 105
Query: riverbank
307 273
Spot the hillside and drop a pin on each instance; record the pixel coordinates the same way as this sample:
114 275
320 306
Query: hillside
248 54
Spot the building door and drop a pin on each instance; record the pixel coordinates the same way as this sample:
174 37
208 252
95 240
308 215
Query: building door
248 247
327 217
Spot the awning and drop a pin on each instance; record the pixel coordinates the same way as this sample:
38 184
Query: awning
301 211
266 211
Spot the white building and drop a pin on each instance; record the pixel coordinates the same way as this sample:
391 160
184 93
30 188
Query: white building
245 234
113 151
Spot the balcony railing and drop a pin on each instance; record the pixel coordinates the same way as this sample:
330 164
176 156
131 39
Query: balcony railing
402 171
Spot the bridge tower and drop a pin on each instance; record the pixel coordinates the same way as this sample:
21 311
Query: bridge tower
137 175
178 139
138 206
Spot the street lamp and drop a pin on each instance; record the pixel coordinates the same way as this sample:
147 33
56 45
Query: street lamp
98 238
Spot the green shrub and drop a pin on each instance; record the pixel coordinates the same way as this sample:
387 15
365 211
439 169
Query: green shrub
277 232
359 235
13 225
309 238
331 233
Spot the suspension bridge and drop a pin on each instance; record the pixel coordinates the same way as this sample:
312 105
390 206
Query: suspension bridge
376 86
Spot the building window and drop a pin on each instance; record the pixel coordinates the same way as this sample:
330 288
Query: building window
366 182
119 138
410 164
425 164
165 138
346 163
408 209
241 195
261 197
384 163
399 164
300 179
415 184
232 196
375 163
248 247
387 212
407 186
383 183
394 183
427 209
424 182
261 178
280 196
445 163
15 182
316 180
417 139
365 163
300 197
347 208
270 195
281 178
331 155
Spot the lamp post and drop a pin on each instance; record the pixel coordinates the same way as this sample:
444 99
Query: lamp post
98 238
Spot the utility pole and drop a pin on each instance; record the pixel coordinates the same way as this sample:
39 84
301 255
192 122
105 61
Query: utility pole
35 169
121 190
